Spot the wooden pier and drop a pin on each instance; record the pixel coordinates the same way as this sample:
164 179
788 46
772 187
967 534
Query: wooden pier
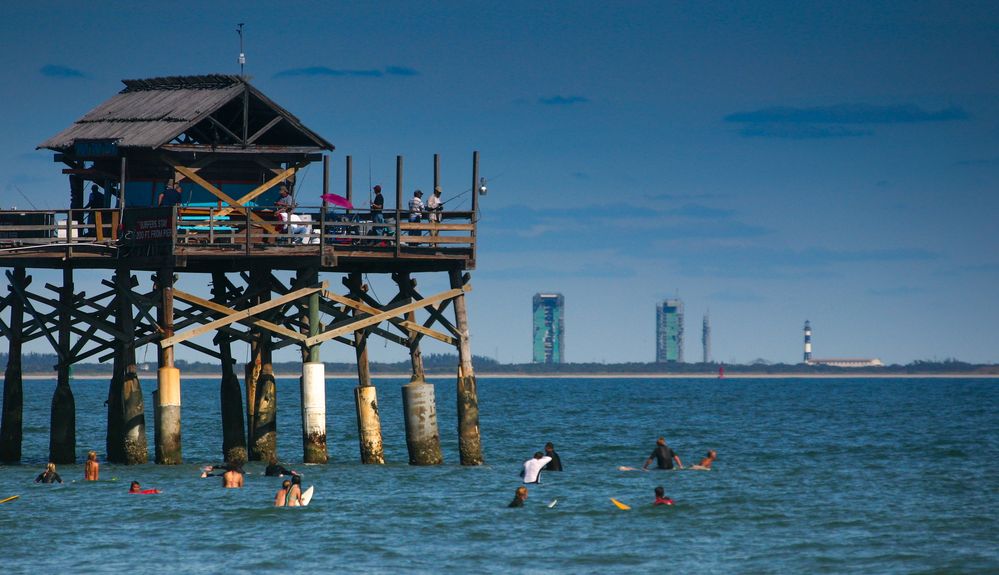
227 148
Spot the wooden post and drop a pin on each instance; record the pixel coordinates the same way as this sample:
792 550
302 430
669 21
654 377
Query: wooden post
475 203
11 428
398 205
167 397
62 438
261 388
132 406
369 426
420 408
469 441
313 382
349 186
233 432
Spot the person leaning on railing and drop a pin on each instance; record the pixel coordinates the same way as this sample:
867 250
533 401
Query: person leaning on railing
435 207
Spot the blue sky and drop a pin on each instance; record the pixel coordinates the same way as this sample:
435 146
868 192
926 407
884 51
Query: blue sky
771 162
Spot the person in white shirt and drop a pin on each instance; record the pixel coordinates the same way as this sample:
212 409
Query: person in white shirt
532 468
435 206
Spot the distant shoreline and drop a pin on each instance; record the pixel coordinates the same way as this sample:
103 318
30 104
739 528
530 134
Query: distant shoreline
147 375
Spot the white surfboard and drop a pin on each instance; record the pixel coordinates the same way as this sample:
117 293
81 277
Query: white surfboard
553 503
307 496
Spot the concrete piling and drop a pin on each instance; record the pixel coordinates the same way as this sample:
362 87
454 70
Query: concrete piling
314 412
420 410
167 396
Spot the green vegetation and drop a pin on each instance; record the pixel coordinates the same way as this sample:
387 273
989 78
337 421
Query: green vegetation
442 363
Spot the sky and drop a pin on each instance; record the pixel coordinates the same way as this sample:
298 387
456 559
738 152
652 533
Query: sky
766 162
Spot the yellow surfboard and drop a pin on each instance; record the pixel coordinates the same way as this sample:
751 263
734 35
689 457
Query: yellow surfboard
619 504
9 499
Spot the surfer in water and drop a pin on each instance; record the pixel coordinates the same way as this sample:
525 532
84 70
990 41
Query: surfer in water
705 464
663 455
91 469
275 469
661 498
136 488
556 463
519 497
49 475
532 468
281 499
294 496
233 477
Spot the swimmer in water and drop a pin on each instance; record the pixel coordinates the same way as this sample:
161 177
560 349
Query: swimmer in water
294 497
705 464
519 497
91 469
233 478
661 498
49 475
663 455
136 488
281 499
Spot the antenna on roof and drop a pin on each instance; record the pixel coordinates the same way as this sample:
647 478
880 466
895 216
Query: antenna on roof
242 56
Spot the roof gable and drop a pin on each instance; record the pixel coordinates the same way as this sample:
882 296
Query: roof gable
154 112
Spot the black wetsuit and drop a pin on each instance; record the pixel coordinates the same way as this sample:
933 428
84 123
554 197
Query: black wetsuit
664 456
555 464
276 470
46 477
517 502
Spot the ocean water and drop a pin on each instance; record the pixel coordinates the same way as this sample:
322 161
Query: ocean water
812 476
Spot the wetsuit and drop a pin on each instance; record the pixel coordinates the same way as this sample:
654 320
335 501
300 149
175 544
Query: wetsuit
517 502
555 464
46 477
277 470
663 501
664 456
532 469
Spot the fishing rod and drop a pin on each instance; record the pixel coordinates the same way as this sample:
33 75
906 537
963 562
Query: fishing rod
23 195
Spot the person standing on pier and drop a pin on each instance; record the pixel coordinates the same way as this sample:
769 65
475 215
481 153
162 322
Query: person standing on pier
377 206
556 463
94 202
435 208
416 211
663 455
91 469
170 196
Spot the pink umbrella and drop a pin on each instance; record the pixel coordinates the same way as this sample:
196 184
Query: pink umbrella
338 201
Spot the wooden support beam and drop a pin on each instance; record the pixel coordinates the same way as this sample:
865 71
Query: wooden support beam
243 314
217 192
364 322
402 323
264 130
225 311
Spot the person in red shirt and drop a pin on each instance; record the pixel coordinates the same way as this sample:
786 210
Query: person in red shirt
661 498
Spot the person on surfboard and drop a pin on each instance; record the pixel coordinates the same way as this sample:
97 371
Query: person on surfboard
705 464
294 498
663 455
519 497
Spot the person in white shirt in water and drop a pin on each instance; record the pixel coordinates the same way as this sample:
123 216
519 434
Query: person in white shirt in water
532 468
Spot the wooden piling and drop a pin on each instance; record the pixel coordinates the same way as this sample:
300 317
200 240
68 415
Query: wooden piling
133 431
12 425
62 431
262 435
369 426
469 441
230 393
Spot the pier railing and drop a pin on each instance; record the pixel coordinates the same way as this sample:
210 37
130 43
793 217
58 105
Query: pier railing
251 231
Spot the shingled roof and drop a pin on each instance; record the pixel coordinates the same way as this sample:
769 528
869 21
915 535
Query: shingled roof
150 113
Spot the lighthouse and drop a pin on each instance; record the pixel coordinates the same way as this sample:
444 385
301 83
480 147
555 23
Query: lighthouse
808 342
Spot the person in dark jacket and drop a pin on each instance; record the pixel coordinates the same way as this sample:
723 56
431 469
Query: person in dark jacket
556 463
